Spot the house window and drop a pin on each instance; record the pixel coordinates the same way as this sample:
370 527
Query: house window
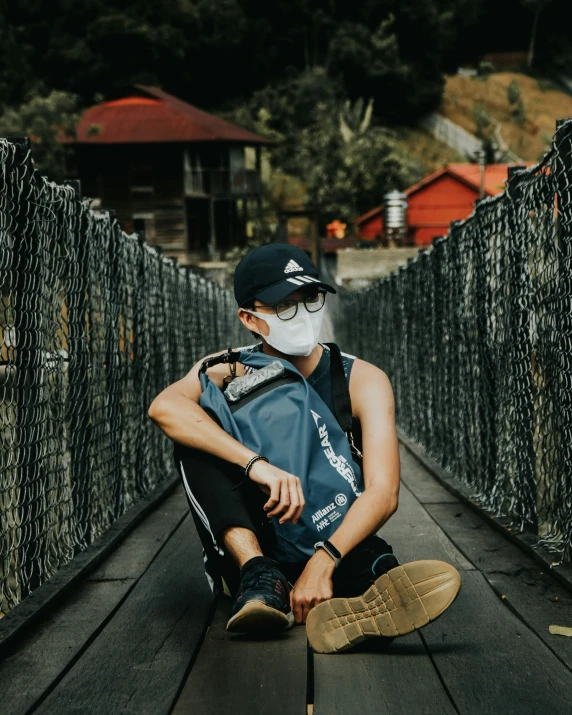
194 175
238 181
250 158
144 223
141 178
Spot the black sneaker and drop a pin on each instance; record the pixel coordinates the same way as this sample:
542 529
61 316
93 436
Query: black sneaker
263 599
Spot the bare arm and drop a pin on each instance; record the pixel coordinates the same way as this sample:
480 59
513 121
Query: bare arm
176 411
373 403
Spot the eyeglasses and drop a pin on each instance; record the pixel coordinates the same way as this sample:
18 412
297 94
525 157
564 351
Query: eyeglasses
287 309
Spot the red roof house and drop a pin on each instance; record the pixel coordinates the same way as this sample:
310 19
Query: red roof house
447 195
153 116
182 176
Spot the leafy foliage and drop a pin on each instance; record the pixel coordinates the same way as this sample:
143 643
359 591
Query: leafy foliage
217 52
487 132
284 69
43 119
514 98
348 163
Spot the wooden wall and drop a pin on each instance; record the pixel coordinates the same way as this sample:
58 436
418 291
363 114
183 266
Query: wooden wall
142 181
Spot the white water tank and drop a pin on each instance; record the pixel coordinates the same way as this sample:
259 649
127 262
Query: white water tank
395 216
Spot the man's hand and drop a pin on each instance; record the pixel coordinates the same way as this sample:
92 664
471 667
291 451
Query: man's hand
284 489
313 586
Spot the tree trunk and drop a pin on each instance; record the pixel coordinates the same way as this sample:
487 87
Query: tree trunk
533 36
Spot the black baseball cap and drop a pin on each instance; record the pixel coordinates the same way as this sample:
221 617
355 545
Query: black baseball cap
271 271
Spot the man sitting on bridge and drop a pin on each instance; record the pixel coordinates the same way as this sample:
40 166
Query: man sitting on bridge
353 586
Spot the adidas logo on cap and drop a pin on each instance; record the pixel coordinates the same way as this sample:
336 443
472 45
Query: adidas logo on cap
292 266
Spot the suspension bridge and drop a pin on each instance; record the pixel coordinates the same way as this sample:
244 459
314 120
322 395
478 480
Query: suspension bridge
104 602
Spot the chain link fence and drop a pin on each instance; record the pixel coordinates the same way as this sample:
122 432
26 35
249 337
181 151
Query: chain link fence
475 335
93 325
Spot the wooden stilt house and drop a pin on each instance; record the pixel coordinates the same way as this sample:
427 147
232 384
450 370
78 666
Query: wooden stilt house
185 177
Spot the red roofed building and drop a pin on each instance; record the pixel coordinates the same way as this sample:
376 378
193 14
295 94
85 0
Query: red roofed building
185 177
447 195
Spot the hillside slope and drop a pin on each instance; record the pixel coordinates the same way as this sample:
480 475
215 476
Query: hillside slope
284 191
428 151
542 101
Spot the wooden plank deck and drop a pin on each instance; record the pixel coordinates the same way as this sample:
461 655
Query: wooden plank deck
243 674
42 657
143 635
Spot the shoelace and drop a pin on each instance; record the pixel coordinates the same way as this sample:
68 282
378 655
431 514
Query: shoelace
263 578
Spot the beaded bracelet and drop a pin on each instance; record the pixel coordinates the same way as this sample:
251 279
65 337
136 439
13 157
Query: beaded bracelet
247 469
254 459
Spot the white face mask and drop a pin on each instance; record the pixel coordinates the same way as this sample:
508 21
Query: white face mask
298 336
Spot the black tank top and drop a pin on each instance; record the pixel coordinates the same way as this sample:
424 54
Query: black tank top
320 378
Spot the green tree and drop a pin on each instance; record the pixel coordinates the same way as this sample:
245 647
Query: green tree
514 98
282 109
43 120
485 131
348 162
537 7
371 63
217 53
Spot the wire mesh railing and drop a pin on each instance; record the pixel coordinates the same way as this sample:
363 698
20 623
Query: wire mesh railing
475 335
93 325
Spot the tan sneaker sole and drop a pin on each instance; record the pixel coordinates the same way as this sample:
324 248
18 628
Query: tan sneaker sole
405 598
256 616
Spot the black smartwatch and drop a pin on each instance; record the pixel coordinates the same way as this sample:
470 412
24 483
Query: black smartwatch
331 549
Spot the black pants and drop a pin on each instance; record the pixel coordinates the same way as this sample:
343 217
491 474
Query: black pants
216 503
